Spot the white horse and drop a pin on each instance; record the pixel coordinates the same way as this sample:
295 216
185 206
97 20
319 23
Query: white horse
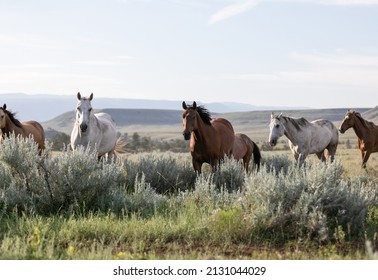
96 131
305 137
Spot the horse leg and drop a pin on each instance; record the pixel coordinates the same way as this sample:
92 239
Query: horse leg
296 156
365 157
301 159
332 151
321 156
197 166
246 160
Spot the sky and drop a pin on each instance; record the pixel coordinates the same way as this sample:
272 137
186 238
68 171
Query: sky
305 53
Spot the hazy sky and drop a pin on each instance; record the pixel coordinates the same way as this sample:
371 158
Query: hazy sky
315 53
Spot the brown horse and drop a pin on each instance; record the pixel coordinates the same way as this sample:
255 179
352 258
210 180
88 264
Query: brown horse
243 148
210 139
9 124
367 134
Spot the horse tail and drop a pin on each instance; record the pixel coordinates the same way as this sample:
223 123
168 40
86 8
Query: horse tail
120 147
256 155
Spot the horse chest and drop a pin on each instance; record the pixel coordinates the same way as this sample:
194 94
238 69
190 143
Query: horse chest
365 145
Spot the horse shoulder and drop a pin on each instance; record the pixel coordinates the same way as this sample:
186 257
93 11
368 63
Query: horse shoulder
107 135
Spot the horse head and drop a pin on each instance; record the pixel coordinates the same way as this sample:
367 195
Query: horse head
2 116
348 121
83 111
277 129
189 119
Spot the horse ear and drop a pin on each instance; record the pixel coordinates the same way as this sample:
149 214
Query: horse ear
5 106
272 115
91 97
78 96
184 105
280 116
194 105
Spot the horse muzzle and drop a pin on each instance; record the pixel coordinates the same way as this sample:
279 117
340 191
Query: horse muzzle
83 127
186 135
273 142
341 131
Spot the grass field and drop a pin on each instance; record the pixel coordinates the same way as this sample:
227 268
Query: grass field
70 206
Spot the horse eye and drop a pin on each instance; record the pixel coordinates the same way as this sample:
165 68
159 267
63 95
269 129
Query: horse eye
90 110
277 125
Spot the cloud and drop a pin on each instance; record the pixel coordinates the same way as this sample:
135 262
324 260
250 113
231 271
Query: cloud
319 69
338 59
233 10
244 6
117 60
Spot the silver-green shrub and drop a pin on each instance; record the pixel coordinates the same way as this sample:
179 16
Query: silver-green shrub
20 182
165 172
229 175
79 181
72 181
308 202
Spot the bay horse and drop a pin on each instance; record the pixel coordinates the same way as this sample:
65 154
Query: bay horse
210 139
10 124
95 131
367 134
305 137
244 148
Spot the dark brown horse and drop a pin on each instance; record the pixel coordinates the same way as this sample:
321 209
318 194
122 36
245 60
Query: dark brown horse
9 124
210 139
367 134
243 148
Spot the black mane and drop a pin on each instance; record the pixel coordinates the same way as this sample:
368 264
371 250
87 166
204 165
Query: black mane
12 117
204 114
364 122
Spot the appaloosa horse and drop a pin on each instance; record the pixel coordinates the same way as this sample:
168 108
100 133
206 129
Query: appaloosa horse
305 137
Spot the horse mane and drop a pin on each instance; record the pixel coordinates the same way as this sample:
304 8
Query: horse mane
297 123
12 117
365 123
204 114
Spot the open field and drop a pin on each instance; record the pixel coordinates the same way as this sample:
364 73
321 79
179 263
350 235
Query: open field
70 206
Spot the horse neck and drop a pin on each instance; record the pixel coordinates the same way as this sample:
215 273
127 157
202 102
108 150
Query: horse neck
200 134
291 132
359 128
10 127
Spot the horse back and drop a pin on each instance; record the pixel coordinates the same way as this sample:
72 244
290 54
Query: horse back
36 130
225 133
241 146
329 125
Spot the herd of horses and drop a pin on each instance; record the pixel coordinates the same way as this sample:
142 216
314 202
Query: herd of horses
211 139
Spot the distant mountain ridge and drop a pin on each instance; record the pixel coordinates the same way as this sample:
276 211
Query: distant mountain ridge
44 107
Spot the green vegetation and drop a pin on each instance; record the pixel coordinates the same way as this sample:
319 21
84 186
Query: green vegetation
71 206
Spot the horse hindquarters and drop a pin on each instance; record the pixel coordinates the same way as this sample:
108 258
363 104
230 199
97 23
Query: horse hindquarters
256 155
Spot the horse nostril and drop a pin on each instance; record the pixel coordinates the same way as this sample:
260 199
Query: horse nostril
83 127
186 135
